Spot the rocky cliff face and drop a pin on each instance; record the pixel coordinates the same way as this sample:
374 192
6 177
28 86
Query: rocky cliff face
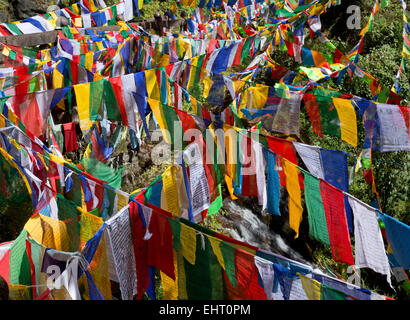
14 10
23 9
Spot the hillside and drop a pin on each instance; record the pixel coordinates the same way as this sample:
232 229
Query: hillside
381 180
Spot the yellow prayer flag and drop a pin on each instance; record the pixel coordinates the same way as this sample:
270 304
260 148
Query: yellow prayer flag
194 105
73 30
2 122
89 60
238 85
6 51
182 194
347 118
217 250
207 86
358 163
311 287
159 116
97 76
316 9
13 118
122 201
257 96
57 159
192 72
170 102
243 103
294 201
152 84
189 3
58 78
49 232
100 46
14 142
89 225
163 61
82 90
19 292
170 191
78 22
229 184
188 49
54 20
76 9
188 243
92 5
182 48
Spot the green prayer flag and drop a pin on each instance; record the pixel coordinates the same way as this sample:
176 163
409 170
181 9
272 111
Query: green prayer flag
111 105
67 211
328 293
13 28
316 212
96 95
217 203
176 231
58 134
12 55
20 270
245 49
228 253
103 172
329 116
199 274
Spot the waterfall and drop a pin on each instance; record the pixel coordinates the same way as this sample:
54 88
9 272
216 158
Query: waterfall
245 225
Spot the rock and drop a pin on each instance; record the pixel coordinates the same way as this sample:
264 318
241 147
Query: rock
23 9
3 16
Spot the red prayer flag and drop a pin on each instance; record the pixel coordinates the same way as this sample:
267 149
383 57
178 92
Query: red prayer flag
313 112
160 250
247 276
5 266
334 205
212 44
249 183
405 112
116 86
70 137
140 250
238 54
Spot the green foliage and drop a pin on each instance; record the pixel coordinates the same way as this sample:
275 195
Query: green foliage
213 223
392 177
15 203
382 48
151 7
